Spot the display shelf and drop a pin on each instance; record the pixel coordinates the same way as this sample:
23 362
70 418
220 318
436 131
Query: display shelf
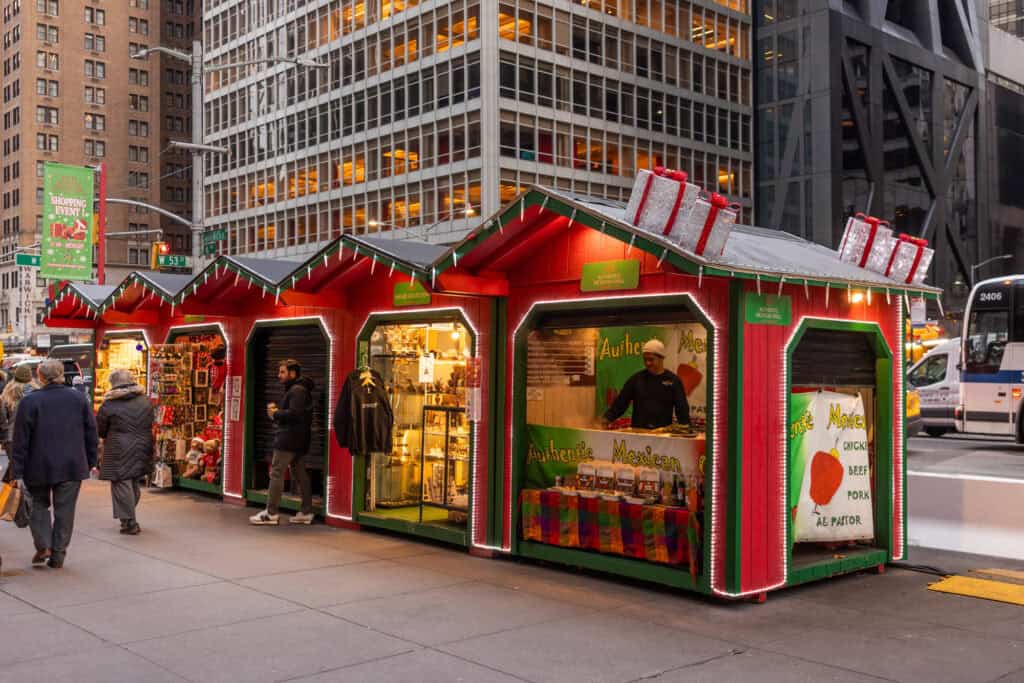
198 485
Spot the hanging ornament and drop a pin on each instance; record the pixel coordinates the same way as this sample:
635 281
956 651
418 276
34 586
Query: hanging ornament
629 248
325 260
572 219
392 270
373 265
942 313
501 227
663 255
869 296
522 209
807 290
758 279
355 253
849 294
544 204
700 277
412 278
237 275
277 297
827 288
455 258
887 301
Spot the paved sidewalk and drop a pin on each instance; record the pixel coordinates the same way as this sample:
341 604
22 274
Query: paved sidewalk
202 596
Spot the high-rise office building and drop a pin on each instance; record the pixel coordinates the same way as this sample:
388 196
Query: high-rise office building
874 107
72 95
1007 15
433 114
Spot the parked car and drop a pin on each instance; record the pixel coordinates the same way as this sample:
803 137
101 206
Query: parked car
937 380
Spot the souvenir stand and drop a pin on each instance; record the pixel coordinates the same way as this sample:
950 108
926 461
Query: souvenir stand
779 346
262 325
426 342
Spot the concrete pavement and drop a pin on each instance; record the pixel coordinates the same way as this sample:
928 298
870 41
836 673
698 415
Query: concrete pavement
203 596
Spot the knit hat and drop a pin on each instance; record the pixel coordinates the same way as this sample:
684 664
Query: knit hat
656 347
23 374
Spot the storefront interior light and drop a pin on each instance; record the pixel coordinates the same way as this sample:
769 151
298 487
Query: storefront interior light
857 297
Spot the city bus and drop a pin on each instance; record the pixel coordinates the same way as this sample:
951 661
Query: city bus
992 359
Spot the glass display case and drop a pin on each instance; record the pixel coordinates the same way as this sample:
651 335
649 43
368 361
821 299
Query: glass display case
445 457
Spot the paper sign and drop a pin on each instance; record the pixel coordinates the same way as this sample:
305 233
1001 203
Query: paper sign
236 386
603 276
768 309
426 369
235 409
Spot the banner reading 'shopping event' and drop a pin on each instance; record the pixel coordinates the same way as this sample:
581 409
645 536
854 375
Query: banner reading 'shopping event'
66 252
829 476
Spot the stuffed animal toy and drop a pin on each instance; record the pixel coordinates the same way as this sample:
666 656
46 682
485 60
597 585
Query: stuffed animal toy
194 458
211 461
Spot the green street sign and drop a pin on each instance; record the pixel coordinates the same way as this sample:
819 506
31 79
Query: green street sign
603 276
172 261
768 309
410 294
217 235
30 260
210 248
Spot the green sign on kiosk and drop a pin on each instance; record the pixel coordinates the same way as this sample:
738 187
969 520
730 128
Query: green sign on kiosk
768 309
604 276
411 294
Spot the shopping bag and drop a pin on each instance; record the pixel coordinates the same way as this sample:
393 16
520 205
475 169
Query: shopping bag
163 477
10 500
23 516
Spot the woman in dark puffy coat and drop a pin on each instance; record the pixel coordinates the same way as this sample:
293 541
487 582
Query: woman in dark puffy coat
125 423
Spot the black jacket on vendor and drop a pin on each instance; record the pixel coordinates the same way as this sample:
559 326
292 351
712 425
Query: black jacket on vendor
363 417
294 418
653 397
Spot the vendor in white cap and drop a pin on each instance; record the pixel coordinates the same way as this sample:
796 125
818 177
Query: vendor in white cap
653 392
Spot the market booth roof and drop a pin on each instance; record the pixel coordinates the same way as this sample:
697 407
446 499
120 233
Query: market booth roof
229 280
76 302
515 232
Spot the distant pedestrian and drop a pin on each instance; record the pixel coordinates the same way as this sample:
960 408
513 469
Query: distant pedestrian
53 450
125 423
293 421
15 390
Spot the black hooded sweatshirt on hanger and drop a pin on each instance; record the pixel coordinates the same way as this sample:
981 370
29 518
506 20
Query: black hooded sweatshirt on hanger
363 418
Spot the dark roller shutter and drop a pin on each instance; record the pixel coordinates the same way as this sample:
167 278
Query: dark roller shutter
308 345
833 358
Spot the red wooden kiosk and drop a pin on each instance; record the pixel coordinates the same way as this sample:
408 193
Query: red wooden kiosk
775 316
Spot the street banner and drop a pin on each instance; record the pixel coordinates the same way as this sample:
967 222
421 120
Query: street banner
556 451
67 245
619 356
829 475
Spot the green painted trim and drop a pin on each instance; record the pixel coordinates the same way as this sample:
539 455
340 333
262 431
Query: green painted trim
885 422
373 321
666 575
902 417
704 579
429 530
856 560
734 482
250 398
200 486
496 442
287 502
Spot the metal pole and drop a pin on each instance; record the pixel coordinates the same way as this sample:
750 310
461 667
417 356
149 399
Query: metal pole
198 170
101 229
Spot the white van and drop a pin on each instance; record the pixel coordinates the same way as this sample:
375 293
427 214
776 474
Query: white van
937 380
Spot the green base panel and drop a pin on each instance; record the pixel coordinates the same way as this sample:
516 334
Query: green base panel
854 561
198 485
287 502
675 577
436 531
411 514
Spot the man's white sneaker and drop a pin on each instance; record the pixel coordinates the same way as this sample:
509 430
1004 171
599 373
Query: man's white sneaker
264 518
301 518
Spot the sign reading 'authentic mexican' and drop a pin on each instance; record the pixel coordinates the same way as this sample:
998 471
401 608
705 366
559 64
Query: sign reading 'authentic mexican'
556 451
768 309
605 276
66 252
411 294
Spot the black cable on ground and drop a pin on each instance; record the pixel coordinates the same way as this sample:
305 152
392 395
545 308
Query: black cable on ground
922 568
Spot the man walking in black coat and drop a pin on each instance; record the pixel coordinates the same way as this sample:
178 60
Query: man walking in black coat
293 421
53 450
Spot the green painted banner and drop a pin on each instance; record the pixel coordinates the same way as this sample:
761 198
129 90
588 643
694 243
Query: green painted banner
66 252
603 276
411 294
768 309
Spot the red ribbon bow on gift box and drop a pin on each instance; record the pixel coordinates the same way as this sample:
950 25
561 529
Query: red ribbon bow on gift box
718 202
662 172
873 223
918 242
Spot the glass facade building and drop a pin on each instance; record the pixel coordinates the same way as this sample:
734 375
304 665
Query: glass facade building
873 107
433 114
1008 15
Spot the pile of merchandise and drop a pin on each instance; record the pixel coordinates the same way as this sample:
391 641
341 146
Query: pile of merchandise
187 383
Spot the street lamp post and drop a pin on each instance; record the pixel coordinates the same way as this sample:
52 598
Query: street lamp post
197 146
975 267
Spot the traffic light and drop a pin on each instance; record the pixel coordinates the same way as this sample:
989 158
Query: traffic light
158 249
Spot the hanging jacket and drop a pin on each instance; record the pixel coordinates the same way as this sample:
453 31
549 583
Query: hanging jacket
125 423
294 418
363 418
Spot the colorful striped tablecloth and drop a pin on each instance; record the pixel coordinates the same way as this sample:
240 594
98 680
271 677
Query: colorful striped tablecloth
647 532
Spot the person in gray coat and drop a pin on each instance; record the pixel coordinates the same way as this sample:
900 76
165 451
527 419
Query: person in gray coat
125 423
